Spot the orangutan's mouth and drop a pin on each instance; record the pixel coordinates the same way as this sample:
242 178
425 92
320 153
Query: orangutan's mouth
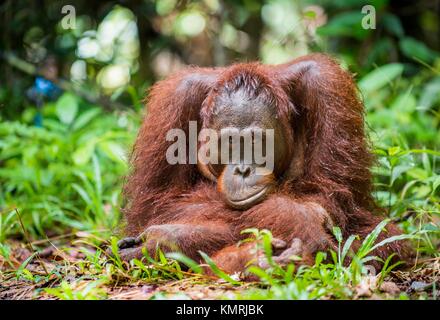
249 201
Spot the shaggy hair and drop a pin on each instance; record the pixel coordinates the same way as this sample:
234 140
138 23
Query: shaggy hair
317 103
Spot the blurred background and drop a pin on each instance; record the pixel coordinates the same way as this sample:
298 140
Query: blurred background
72 82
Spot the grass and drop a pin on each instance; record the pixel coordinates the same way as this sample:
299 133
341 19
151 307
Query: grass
82 270
93 274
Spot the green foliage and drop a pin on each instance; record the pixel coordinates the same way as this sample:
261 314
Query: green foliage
335 279
327 278
380 77
345 24
91 291
66 174
402 114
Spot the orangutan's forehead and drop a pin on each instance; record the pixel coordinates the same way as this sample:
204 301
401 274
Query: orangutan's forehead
239 109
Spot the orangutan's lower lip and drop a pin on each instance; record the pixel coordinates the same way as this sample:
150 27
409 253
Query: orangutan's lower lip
250 200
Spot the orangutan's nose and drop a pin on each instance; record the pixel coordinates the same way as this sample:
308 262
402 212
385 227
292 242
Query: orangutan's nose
243 169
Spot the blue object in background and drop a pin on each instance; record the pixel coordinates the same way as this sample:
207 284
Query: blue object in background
41 90
46 88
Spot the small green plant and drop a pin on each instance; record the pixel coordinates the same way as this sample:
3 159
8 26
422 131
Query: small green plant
334 279
91 290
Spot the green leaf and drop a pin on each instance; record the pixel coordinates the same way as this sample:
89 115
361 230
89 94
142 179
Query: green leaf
67 107
398 171
83 193
25 263
345 24
84 153
436 184
392 151
404 103
267 246
190 263
162 257
97 174
430 94
310 14
367 245
216 269
347 247
413 48
393 239
260 273
393 24
418 173
344 4
320 256
113 150
85 117
378 78
422 192
115 251
427 151
426 163
337 233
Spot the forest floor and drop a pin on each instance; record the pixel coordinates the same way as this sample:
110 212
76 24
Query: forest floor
63 271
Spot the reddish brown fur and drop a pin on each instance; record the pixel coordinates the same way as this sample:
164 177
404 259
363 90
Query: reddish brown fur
318 105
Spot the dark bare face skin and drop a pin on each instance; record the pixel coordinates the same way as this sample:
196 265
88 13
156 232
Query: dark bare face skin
238 181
